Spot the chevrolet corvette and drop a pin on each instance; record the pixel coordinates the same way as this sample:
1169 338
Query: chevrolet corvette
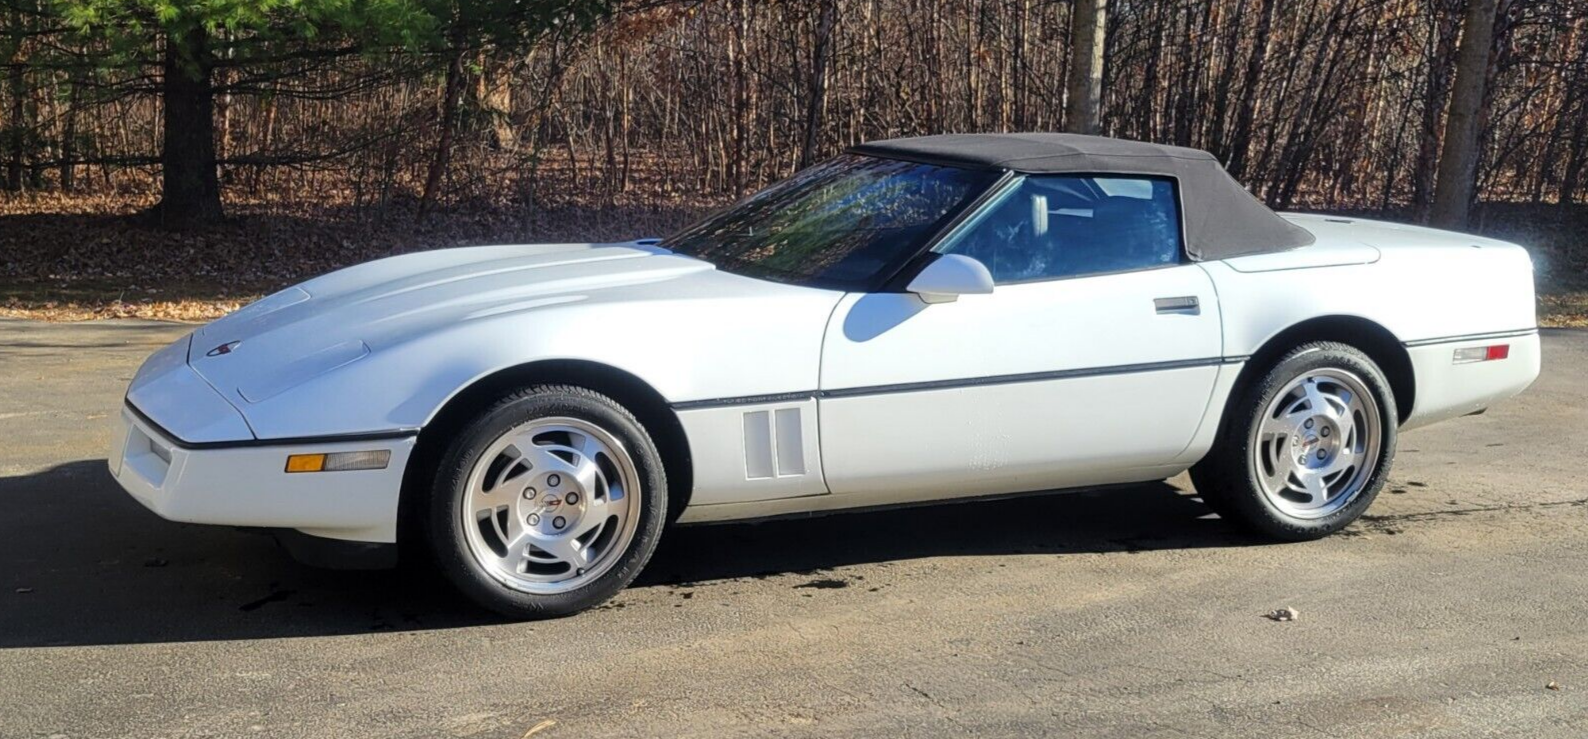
921 319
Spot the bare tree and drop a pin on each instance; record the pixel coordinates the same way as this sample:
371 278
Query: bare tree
816 98
1084 93
1458 163
1313 104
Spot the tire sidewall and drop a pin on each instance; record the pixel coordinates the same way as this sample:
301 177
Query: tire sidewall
445 521
1255 505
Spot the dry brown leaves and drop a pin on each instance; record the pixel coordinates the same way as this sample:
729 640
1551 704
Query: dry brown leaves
191 311
82 257
1564 310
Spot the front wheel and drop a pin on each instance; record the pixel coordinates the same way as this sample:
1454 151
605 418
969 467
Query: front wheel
1306 449
549 503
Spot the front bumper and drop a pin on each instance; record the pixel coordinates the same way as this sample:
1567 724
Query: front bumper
246 484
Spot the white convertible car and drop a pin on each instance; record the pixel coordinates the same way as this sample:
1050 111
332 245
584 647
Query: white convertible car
916 320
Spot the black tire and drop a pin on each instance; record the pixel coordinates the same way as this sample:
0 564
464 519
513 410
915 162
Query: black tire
444 525
1227 477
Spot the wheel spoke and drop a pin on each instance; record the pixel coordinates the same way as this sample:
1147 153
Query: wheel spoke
493 490
1345 426
1317 493
1280 480
508 469
1343 459
582 469
1321 402
599 509
591 522
545 461
1282 466
518 540
564 548
1281 426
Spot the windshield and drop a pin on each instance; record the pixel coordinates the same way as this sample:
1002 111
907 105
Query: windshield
842 224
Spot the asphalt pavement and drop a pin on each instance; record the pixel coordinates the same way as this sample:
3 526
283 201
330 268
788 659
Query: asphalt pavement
1456 608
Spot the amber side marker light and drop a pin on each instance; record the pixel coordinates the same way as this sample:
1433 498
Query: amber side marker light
339 461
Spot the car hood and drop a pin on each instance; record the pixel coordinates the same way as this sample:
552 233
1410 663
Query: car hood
313 328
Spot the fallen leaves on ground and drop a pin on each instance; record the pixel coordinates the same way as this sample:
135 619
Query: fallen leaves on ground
74 258
192 311
1564 310
92 256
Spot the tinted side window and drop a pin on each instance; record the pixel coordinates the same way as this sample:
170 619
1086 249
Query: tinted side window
1051 226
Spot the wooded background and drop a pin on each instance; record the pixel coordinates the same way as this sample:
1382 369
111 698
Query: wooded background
418 109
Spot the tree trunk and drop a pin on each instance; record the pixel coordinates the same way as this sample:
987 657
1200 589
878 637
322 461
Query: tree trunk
449 120
16 157
1578 146
1439 62
1458 163
68 169
816 100
1240 137
1221 88
494 94
737 51
1084 94
190 191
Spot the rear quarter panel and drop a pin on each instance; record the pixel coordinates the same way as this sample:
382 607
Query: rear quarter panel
1426 284
1429 288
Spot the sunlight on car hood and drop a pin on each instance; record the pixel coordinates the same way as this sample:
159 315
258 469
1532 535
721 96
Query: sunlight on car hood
307 330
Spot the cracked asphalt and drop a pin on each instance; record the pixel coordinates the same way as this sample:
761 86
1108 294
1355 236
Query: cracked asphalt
1448 612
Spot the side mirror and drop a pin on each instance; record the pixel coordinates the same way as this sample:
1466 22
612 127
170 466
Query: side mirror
950 276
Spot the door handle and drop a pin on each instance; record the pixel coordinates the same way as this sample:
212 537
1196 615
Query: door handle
1185 304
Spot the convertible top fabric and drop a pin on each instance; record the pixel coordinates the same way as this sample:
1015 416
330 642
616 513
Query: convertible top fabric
1222 219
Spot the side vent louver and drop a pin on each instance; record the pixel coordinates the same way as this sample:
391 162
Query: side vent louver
774 444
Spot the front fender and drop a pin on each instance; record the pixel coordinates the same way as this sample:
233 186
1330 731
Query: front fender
686 349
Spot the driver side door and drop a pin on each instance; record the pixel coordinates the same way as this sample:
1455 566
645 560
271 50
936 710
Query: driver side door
1091 362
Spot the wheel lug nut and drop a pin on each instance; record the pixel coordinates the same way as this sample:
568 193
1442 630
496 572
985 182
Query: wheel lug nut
1325 431
529 493
1320 454
534 519
1308 424
554 480
573 499
559 522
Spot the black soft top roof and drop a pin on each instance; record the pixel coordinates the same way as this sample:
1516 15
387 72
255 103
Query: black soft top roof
1221 218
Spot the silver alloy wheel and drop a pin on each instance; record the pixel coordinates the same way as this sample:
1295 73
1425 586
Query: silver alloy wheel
1316 445
551 505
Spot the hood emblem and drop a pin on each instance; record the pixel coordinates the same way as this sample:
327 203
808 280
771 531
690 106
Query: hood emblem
225 348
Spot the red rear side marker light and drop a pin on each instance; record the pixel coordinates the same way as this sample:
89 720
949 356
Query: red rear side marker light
1470 354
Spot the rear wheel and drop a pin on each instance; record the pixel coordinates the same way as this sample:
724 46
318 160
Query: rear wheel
549 503
1305 450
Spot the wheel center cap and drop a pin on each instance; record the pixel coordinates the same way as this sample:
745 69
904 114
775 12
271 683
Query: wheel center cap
1308 449
551 502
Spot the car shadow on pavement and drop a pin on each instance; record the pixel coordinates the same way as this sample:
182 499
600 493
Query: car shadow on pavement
82 563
